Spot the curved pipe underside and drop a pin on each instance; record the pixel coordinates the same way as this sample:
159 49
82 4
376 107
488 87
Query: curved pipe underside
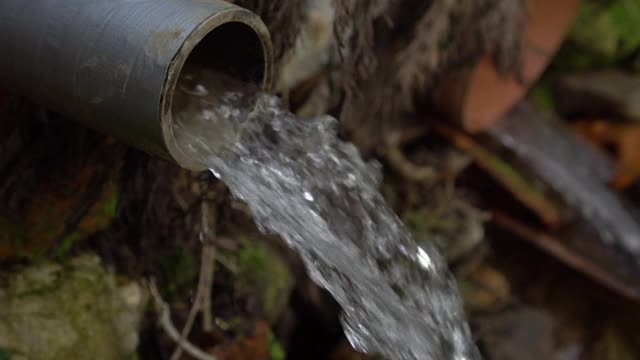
113 64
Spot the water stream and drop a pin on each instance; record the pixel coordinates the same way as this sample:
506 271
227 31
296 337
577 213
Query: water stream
303 183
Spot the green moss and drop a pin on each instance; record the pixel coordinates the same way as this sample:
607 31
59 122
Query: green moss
110 207
604 34
542 97
264 275
276 351
81 312
66 244
611 30
180 269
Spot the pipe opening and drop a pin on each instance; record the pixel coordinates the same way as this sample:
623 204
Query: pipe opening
237 49
233 49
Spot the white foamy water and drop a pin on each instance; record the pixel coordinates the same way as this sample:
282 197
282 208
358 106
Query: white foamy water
315 191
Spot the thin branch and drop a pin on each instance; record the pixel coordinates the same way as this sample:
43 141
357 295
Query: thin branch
202 301
207 268
165 322
400 163
207 272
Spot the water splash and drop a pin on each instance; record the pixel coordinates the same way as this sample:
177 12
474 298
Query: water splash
317 193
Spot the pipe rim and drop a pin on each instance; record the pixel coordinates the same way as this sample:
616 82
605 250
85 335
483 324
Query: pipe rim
233 14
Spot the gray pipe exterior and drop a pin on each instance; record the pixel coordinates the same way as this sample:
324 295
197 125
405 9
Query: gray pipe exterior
113 64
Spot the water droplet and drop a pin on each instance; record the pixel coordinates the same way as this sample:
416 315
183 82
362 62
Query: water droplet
350 181
215 173
424 259
308 196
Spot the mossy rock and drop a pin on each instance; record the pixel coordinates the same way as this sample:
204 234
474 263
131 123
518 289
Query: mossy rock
71 311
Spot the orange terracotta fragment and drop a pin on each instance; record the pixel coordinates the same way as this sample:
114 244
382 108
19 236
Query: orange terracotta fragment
479 97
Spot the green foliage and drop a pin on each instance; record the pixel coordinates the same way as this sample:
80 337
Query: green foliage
604 34
276 351
608 29
180 268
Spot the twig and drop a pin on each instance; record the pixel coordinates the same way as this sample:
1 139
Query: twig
202 301
207 272
400 163
558 248
165 322
177 353
207 268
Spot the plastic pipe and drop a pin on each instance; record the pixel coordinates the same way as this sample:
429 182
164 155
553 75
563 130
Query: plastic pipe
113 64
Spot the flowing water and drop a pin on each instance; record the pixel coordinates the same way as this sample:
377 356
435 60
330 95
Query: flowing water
301 182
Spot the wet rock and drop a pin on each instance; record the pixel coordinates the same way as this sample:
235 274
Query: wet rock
610 93
73 311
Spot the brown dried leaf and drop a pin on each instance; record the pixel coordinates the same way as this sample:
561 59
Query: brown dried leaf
625 140
254 347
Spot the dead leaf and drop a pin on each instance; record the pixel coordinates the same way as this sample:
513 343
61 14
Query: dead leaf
624 138
253 347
